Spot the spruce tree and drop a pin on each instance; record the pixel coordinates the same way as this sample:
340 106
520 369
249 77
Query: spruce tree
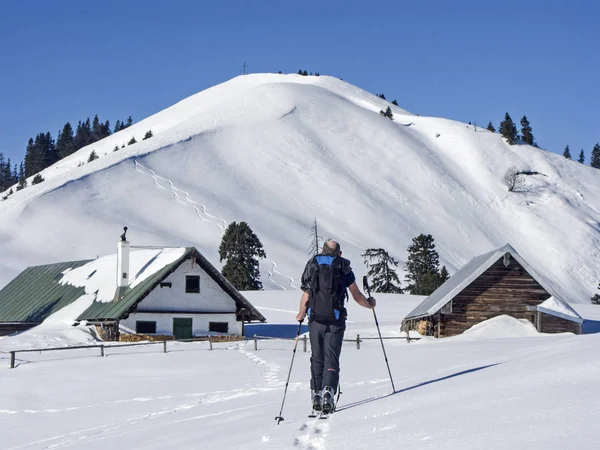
22 177
595 158
581 157
305 73
394 102
596 298
526 134
422 259
93 156
129 122
388 113
117 126
148 135
37 179
241 249
567 152
65 143
490 127
383 277
382 95
508 130
132 141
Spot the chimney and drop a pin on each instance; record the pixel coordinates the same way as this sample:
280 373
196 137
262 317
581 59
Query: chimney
123 261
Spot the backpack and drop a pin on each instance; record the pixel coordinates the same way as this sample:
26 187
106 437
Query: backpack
327 294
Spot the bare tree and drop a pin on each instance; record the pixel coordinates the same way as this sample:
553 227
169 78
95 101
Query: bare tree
315 239
513 179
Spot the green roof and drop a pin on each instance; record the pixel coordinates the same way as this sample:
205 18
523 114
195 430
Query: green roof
36 293
121 307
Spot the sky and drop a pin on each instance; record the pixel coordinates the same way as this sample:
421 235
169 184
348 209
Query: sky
463 60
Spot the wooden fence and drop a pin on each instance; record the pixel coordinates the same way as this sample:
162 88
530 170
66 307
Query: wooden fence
210 341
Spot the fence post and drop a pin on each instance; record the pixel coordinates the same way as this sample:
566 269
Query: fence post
164 346
255 343
12 360
358 342
210 342
102 350
304 343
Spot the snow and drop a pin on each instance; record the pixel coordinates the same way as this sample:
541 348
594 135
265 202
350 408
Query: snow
501 327
277 151
481 392
98 277
559 308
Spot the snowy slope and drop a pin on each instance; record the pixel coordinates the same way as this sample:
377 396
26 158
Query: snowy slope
277 151
475 391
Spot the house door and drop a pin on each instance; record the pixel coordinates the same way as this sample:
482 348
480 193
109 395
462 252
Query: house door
182 328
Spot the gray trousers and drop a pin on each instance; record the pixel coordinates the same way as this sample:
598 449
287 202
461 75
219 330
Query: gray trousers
326 346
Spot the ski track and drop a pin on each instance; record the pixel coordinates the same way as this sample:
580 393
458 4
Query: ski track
205 216
271 370
313 434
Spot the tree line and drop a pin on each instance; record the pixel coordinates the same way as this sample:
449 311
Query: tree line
44 150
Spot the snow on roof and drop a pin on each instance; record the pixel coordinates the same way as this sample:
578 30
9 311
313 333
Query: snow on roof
100 276
559 309
469 273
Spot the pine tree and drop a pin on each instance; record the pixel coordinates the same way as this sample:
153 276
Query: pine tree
388 113
299 71
567 152
596 298
382 95
65 143
132 141
315 239
305 73
526 134
490 127
148 135
92 156
37 179
240 249
394 102
422 259
508 130
22 177
96 129
383 277
581 157
129 122
117 126
595 158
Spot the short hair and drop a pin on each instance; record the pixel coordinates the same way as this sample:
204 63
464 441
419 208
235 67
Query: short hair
331 248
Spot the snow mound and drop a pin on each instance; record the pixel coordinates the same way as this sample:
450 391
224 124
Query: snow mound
502 327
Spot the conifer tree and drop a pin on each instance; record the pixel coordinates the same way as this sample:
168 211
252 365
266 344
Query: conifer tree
37 179
132 141
508 130
383 276
117 126
526 133
241 249
491 127
595 158
22 178
596 298
382 95
148 135
305 73
93 156
581 157
567 152
388 113
422 265
394 102
65 143
129 122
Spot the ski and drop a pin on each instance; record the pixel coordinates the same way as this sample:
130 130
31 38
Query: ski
320 415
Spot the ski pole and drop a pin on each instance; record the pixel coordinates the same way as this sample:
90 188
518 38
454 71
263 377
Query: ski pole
366 288
279 418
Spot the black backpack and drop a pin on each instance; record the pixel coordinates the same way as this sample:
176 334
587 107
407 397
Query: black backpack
326 295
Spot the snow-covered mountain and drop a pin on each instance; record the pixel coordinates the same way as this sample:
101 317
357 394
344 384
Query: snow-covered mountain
277 151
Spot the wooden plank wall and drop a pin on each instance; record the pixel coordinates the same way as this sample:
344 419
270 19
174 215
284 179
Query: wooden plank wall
553 324
499 290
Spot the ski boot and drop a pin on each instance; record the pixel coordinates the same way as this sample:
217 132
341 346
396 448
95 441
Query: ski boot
328 395
317 400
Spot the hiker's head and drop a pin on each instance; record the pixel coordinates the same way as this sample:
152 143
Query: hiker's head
332 248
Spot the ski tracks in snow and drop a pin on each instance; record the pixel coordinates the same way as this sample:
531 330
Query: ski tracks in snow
313 434
203 214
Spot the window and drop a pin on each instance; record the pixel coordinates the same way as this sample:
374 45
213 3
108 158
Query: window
166 284
218 327
192 284
145 327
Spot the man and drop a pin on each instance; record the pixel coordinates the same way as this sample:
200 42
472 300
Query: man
324 282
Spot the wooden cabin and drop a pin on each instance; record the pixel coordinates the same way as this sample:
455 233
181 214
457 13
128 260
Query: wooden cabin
497 283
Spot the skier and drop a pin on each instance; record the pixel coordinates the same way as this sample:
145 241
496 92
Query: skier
324 282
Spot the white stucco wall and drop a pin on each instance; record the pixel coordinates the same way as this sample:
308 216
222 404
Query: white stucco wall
200 322
210 299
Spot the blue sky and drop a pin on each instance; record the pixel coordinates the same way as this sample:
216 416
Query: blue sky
464 60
